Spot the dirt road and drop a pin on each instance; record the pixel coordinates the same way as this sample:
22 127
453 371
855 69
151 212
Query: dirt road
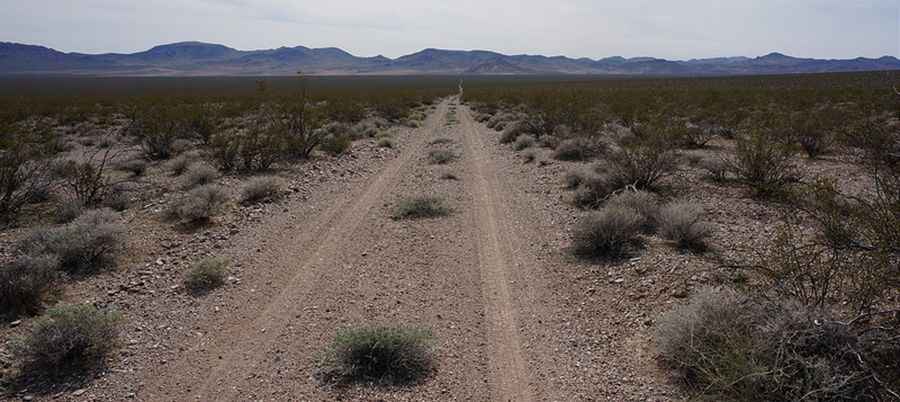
506 329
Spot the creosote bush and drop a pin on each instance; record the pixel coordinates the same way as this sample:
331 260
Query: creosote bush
206 275
67 341
441 156
726 346
609 233
25 282
262 189
682 223
379 355
199 204
421 207
86 245
763 162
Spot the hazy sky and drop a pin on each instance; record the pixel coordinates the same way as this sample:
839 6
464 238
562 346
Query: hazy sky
579 28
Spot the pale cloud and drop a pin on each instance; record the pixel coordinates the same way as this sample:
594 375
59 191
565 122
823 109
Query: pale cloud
577 28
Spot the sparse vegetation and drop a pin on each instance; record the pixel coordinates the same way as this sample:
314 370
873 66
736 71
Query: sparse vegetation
421 207
379 355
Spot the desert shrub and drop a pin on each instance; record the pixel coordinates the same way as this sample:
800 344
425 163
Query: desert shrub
441 141
199 174
594 189
764 163
449 176
716 169
641 164
135 166
336 144
646 205
262 189
67 341
549 141
180 164
87 180
158 128
524 141
725 346
608 234
224 149
24 283
577 149
441 157
576 177
529 156
199 204
67 211
682 223
420 207
812 130
88 244
206 275
118 198
512 131
386 142
690 135
381 355
25 171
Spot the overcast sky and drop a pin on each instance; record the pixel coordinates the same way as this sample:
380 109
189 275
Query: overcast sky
675 29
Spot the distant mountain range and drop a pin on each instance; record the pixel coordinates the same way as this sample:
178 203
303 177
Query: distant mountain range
206 59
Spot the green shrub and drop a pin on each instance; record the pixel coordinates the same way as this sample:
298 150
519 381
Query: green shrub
262 189
607 234
67 341
421 207
682 223
441 157
206 275
25 282
88 244
199 204
380 355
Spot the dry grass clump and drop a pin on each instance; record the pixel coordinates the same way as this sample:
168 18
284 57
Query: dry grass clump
262 189
379 355
609 233
24 284
200 174
206 275
441 157
199 204
726 346
67 341
88 244
420 208
682 223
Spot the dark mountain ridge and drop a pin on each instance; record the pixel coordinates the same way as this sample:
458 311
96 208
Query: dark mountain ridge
198 58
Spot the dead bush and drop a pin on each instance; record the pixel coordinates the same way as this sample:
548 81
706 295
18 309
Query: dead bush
25 282
88 244
381 355
262 189
682 223
199 204
609 233
67 341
